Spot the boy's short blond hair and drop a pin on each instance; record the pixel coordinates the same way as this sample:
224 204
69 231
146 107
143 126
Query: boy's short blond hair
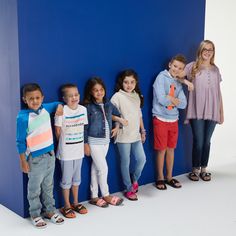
180 58
64 87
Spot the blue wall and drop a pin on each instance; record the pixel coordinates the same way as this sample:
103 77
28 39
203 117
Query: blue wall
11 184
69 41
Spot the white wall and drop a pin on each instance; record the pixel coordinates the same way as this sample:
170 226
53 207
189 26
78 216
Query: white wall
220 27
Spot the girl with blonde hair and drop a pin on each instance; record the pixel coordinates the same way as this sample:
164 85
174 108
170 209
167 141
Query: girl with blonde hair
205 107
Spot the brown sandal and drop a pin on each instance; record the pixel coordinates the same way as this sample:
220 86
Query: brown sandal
115 201
68 213
99 202
81 209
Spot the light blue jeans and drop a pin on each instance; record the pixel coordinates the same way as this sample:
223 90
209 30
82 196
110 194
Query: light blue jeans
125 151
40 184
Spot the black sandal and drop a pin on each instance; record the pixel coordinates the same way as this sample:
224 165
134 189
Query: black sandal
193 176
81 209
205 176
174 183
161 183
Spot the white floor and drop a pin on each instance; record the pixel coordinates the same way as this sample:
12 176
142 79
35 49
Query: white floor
199 208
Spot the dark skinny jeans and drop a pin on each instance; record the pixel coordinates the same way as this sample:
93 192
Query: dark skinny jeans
202 132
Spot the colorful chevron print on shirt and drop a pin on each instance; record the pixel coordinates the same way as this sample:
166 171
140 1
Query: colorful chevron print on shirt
34 132
39 131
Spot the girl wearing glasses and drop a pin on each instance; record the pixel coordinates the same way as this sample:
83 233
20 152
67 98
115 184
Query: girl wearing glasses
205 107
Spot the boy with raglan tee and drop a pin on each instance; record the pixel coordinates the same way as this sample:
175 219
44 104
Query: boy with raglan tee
35 145
168 97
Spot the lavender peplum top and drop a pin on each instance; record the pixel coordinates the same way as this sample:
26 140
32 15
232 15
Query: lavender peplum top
204 101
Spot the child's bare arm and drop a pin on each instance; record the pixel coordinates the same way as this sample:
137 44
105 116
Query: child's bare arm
87 150
57 132
24 165
142 131
114 131
181 79
189 85
123 121
59 110
58 120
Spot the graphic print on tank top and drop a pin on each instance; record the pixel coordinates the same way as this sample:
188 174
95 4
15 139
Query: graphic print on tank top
74 129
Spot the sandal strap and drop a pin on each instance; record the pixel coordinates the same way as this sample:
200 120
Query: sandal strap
55 218
79 207
114 200
68 211
38 220
160 184
131 195
193 174
100 202
207 174
174 181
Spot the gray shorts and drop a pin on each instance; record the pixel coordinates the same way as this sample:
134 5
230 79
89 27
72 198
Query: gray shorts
71 173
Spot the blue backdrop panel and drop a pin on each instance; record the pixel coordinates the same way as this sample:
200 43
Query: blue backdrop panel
11 184
68 41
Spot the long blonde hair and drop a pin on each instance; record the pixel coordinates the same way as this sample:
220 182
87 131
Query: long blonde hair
197 64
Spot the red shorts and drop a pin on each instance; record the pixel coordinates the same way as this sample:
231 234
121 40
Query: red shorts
165 134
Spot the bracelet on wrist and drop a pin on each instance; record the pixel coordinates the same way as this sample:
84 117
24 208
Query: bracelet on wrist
143 131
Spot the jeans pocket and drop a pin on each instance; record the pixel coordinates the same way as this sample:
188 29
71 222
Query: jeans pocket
35 160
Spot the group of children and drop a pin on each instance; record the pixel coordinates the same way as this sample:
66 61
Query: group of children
87 129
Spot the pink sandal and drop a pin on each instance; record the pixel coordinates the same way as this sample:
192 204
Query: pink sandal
131 196
115 201
100 203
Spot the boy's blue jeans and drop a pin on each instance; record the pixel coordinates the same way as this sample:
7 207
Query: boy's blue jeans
202 132
125 150
40 184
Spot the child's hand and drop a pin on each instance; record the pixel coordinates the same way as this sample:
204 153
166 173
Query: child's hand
114 131
87 150
143 137
24 165
123 121
174 101
59 111
189 84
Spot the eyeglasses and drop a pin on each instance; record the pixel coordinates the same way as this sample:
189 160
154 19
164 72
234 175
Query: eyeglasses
207 50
